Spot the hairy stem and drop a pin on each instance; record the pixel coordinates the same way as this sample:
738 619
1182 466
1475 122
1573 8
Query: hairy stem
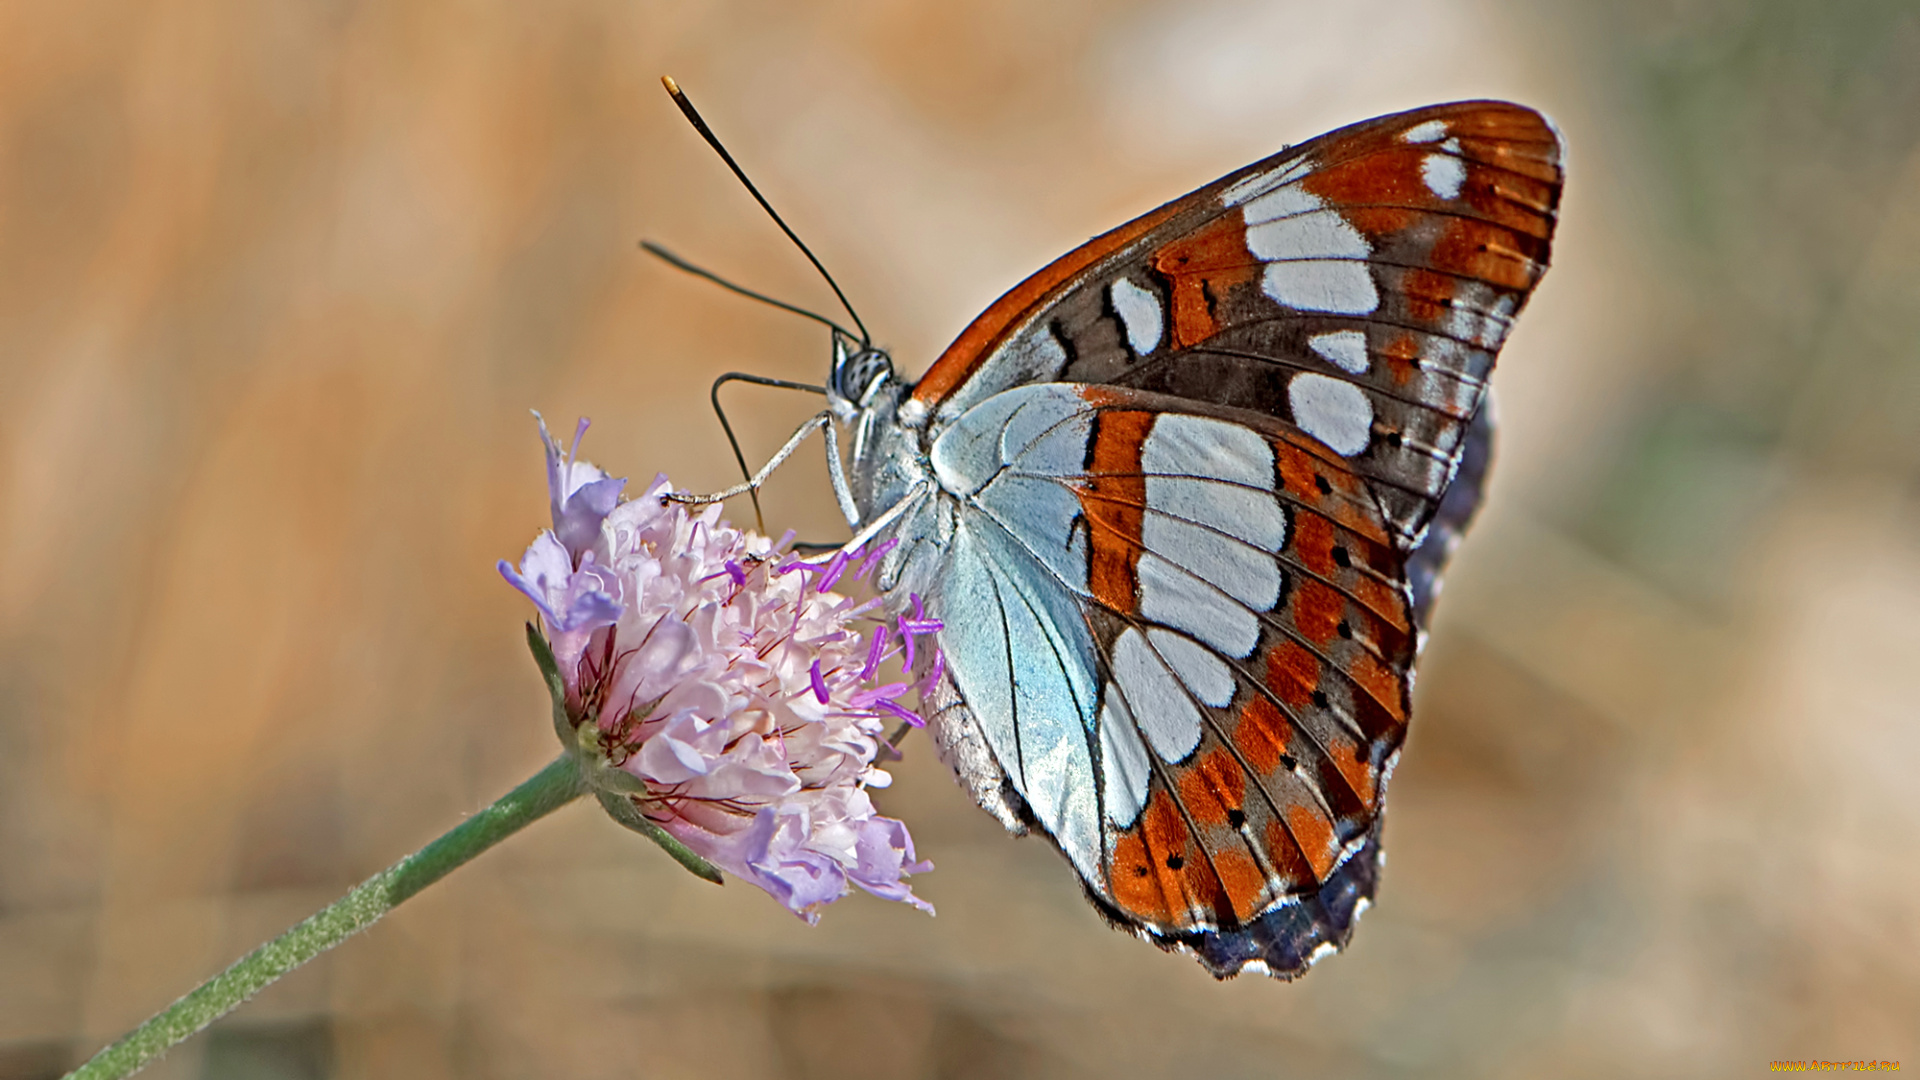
548 790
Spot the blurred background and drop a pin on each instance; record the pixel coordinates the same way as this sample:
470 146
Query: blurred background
279 283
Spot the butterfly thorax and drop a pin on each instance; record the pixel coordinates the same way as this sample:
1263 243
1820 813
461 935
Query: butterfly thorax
888 464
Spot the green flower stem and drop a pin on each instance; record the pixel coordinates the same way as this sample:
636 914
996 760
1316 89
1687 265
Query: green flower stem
549 789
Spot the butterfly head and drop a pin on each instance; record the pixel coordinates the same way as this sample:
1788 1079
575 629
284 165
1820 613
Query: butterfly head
859 372
868 397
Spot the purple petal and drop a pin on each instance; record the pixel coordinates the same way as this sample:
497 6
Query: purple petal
546 575
780 863
570 601
589 610
580 496
884 853
819 682
534 592
577 520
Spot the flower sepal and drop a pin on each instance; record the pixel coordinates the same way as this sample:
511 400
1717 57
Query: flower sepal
543 659
621 809
600 773
614 787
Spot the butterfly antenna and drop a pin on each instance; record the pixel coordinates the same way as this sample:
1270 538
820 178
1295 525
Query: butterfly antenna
679 263
693 117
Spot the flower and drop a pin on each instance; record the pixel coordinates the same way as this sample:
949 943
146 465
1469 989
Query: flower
736 693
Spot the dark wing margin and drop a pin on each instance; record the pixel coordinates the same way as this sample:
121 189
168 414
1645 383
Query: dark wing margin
1291 937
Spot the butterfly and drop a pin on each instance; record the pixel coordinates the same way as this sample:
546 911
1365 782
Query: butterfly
1180 502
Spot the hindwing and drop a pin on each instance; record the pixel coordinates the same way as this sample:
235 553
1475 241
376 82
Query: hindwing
1182 634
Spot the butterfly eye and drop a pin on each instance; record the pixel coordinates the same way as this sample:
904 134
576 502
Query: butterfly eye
857 375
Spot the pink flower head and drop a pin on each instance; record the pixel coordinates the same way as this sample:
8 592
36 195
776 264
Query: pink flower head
717 674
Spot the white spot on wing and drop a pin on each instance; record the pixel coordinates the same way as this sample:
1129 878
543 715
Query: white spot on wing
1443 174
1344 349
1493 329
1320 234
1124 760
1283 202
1211 512
1166 715
1237 568
1337 286
1204 673
1184 445
1175 597
1478 316
1251 516
1425 132
1335 412
1306 248
1139 311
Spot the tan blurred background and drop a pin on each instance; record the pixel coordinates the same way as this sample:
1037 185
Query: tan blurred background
279 282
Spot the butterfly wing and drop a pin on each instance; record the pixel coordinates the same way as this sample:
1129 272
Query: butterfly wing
1359 286
1202 467
1180 633
1450 520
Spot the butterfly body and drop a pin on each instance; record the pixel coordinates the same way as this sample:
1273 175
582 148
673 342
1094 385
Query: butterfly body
1181 500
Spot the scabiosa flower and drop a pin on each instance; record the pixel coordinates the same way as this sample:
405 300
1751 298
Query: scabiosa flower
721 692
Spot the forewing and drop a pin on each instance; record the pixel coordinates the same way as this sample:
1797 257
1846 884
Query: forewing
1214 684
1358 286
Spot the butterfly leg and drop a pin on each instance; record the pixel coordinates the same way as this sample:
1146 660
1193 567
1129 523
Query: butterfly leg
836 471
877 526
713 395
